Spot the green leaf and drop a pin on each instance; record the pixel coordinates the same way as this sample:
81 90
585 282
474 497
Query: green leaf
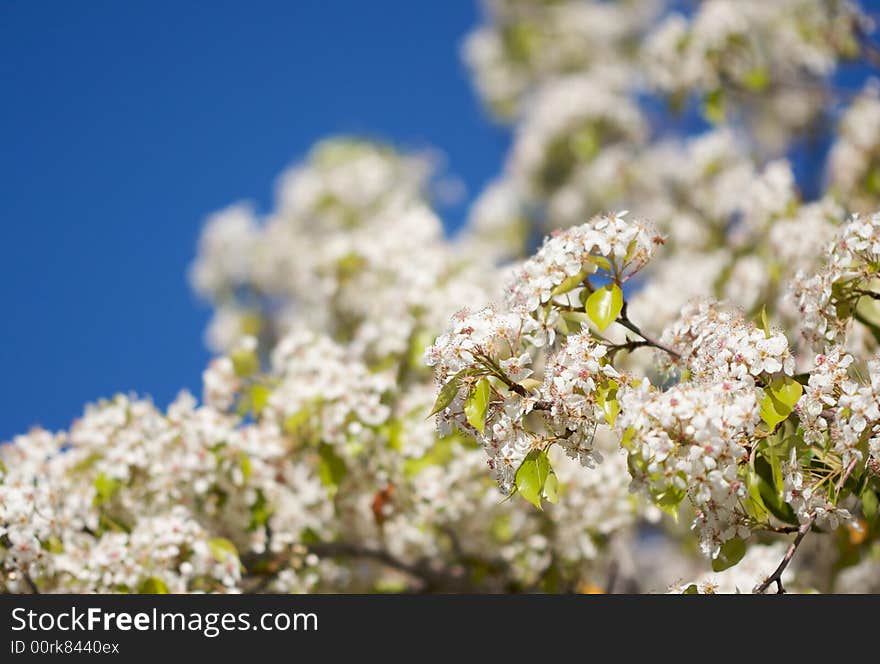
755 504
571 322
259 397
153 586
449 391
221 548
713 106
532 475
732 551
551 488
604 305
293 422
691 590
569 284
607 399
626 441
244 462
331 468
780 398
670 500
770 492
870 504
530 383
105 488
476 403
756 80
601 263
763 323
260 511
245 362
585 143
52 544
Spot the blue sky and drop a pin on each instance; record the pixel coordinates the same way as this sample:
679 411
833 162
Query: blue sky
123 124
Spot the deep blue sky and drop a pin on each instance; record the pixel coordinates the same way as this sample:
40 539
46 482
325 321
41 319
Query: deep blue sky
123 124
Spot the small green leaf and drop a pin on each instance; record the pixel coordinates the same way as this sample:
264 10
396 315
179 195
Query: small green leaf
732 551
259 398
245 362
260 511
530 384
601 263
449 391
756 79
52 544
105 488
607 399
627 439
569 284
787 390
244 463
571 322
293 422
221 548
763 323
670 500
476 403
153 586
691 590
604 305
770 492
585 143
331 468
713 106
551 488
531 476
755 504
779 400
870 504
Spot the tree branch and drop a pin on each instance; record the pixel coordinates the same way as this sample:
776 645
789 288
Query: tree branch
624 320
30 582
776 576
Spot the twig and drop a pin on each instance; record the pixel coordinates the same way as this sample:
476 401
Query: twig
776 576
30 582
629 346
624 320
512 385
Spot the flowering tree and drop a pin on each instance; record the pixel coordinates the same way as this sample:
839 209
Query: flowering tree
698 390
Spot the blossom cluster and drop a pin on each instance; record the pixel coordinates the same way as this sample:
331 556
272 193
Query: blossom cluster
691 440
842 288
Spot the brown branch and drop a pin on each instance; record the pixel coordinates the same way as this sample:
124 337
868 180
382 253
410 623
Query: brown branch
629 346
513 386
866 293
776 576
624 320
30 582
